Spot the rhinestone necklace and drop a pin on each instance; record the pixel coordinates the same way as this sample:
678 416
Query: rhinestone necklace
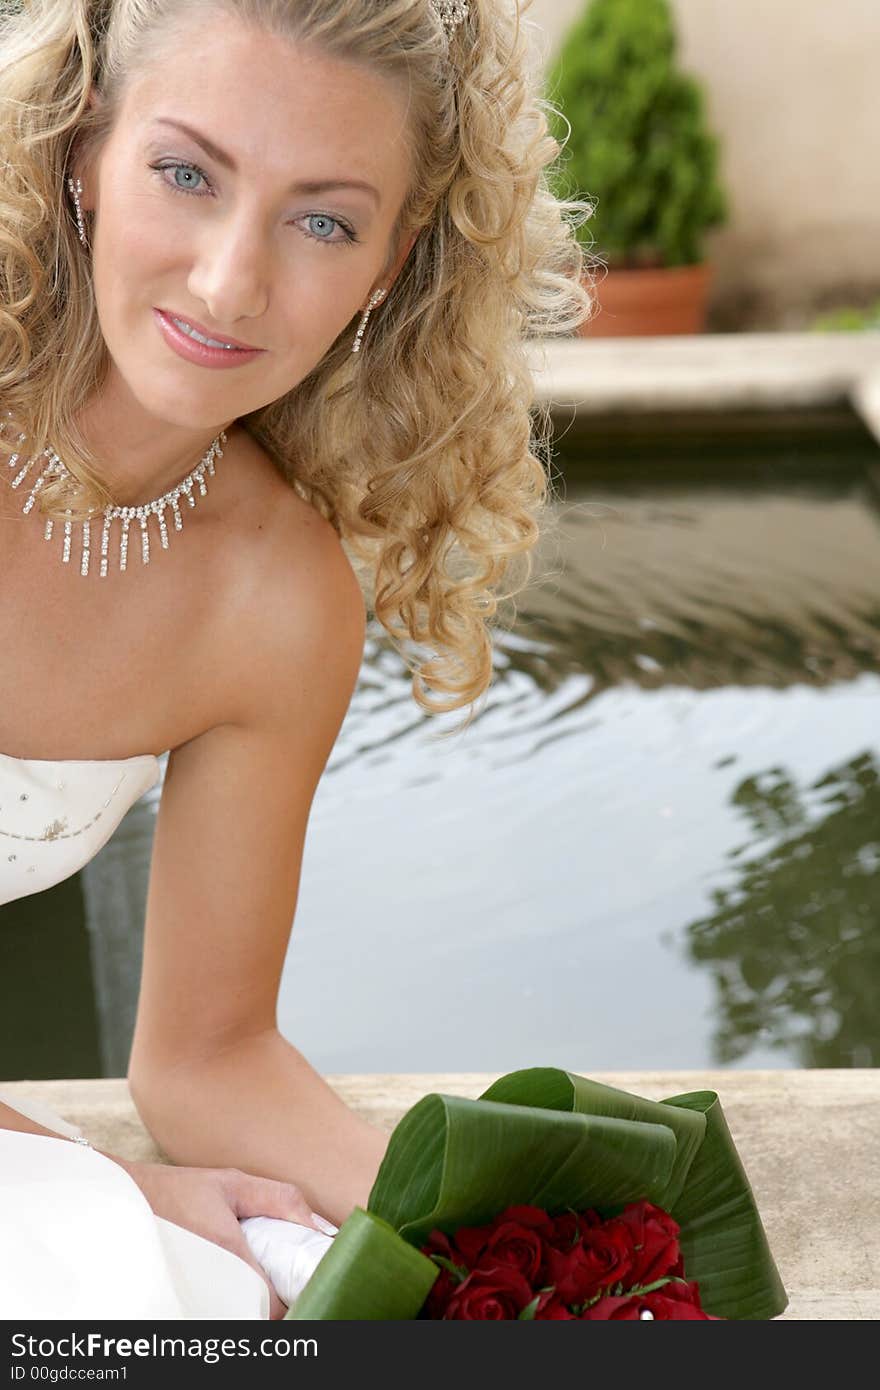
185 488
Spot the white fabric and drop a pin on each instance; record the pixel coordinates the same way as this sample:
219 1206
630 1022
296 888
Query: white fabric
55 816
78 1239
288 1252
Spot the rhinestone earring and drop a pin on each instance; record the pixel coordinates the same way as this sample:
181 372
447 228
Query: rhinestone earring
376 299
75 191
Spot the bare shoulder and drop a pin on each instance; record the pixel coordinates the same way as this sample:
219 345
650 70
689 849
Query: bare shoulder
292 611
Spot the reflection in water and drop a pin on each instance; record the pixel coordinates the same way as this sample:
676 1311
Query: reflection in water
793 944
70 960
521 896
115 895
48 1026
655 845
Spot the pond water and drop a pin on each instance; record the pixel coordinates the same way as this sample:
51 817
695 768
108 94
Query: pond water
657 847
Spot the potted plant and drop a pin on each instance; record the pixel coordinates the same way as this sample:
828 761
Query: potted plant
640 147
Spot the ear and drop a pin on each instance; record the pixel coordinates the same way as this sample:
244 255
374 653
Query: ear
93 100
400 260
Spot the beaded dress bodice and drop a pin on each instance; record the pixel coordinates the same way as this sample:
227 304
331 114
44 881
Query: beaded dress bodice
55 816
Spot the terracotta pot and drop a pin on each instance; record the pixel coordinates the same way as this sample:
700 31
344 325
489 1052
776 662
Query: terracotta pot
635 303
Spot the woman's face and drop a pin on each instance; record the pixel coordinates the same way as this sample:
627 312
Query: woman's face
244 251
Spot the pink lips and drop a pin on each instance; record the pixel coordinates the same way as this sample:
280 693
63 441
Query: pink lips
194 351
209 333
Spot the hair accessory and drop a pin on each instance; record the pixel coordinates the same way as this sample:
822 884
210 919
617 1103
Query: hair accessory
185 488
81 1139
451 13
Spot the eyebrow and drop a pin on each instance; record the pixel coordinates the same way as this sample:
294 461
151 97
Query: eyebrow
301 186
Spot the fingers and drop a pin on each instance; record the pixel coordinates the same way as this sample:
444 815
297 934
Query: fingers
250 1195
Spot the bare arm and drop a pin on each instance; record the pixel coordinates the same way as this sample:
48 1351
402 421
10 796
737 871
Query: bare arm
214 1080
262 1108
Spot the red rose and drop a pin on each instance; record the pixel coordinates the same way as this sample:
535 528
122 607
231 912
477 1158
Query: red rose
439 1294
490 1294
550 1307
655 1242
472 1241
602 1259
567 1228
566 1231
535 1218
514 1245
438 1243
610 1307
675 1302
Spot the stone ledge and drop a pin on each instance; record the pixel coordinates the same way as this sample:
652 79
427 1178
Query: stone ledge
808 1139
703 372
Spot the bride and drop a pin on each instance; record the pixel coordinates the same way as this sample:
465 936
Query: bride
268 271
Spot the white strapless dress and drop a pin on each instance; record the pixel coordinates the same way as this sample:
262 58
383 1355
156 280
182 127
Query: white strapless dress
55 816
78 1238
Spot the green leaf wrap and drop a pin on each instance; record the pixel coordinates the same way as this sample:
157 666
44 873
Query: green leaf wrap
552 1139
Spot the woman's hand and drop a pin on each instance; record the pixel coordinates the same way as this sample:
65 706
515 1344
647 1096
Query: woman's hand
210 1201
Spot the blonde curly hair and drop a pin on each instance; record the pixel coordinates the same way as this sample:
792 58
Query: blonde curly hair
425 451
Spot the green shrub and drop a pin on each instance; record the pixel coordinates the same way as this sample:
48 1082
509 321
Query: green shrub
639 148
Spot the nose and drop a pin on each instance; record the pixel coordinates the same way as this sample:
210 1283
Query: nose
230 273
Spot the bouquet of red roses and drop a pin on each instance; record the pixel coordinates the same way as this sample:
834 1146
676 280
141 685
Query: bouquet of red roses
528 1264
621 1207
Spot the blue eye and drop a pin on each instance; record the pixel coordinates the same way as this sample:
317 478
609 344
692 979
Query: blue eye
188 169
349 237
321 217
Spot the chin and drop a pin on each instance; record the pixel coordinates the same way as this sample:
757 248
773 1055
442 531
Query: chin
181 409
